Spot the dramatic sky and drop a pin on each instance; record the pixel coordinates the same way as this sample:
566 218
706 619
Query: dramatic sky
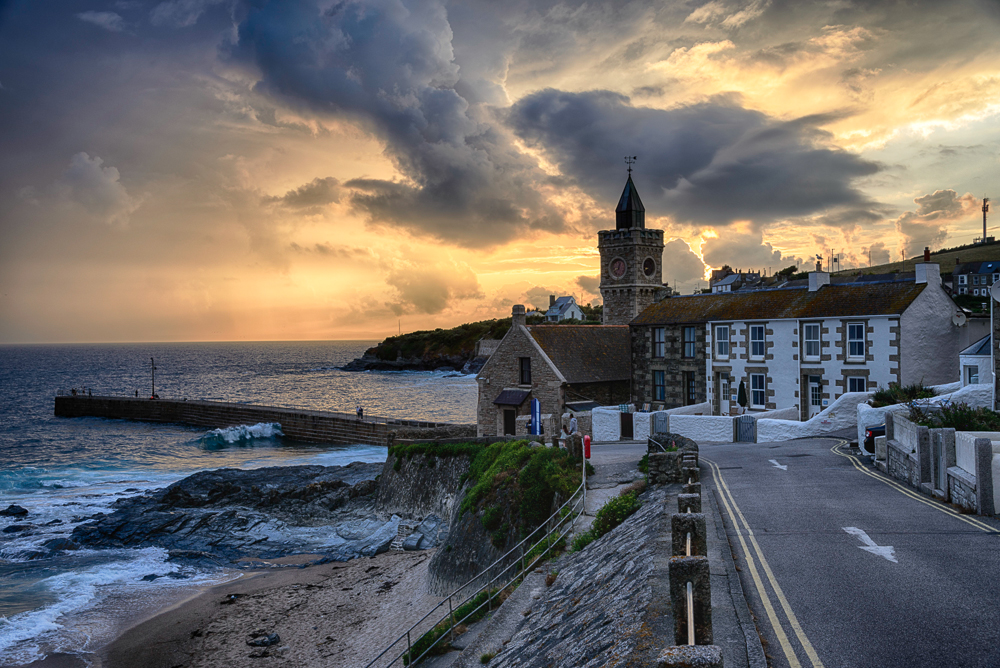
322 169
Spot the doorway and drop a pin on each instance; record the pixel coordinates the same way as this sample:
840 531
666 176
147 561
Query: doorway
627 426
724 393
509 421
815 395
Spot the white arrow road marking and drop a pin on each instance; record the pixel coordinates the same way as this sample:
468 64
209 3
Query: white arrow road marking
884 551
783 467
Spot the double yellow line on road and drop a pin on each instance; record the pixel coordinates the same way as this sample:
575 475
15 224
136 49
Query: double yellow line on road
738 520
910 492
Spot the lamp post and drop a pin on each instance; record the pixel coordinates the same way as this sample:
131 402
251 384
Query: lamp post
152 378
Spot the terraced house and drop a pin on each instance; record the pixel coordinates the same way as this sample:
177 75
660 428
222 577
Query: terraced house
802 344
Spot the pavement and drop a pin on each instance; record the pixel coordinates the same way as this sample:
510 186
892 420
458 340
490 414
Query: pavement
616 466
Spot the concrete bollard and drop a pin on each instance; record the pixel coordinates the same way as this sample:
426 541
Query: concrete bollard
692 501
690 656
681 525
692 488
984 477
693 570
692 473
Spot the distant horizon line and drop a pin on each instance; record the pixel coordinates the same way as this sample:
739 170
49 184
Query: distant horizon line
137 343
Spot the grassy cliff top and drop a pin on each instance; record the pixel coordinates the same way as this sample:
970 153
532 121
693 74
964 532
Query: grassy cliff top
459 340
945 257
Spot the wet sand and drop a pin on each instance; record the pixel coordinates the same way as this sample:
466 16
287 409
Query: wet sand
337 614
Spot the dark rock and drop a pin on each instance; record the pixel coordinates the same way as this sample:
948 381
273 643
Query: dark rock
17 528
265 641
229 514
150 577
413 541
57 544
14 511
53 523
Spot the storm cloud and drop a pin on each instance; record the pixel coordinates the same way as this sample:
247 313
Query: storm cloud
928 224
712 163
390 66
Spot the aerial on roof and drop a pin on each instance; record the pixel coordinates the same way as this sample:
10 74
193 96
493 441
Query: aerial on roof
586 353
833 301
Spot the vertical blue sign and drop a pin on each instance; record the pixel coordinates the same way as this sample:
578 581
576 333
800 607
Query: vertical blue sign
536 417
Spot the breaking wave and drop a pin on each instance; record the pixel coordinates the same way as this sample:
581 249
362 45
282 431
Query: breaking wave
241 434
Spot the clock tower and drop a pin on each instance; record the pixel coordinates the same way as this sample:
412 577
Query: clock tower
631 260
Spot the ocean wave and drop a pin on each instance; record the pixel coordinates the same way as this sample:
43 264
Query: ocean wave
31 635
241 434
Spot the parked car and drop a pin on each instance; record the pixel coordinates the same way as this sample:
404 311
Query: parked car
871 433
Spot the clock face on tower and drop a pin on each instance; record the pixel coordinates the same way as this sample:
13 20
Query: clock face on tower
618 267
649 266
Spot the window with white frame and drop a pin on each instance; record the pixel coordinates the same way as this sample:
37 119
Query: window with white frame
972 375
812 340
722 341
659 385
855 340
659 342
961 279
757 342
975 280
757 393
856 384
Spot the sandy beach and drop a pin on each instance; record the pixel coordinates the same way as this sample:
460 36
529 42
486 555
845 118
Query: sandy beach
336 614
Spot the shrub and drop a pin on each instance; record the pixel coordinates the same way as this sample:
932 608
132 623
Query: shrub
644 464
486 658
960 416
611 514
899 394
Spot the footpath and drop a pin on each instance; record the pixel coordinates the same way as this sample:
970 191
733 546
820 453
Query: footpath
610 604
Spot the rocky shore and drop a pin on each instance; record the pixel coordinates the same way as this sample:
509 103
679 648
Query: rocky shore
464 364
239 517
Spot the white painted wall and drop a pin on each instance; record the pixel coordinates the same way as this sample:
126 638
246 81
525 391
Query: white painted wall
976 396
780 414
717 428
841 414
642 426
983 364
929 345
965 449
871 417
704 408
607 424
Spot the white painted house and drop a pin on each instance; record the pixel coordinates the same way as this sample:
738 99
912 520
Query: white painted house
976 362
806 343
564 308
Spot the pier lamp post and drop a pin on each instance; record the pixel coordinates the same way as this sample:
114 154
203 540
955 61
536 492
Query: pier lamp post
152 378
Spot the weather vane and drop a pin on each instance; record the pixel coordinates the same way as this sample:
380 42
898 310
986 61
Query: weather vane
630 160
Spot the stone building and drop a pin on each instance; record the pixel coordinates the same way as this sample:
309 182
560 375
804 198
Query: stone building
631 261
556 364
799 345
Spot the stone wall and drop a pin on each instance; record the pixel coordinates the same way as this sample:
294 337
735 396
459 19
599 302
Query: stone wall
503 371
673 364
962 488
300 425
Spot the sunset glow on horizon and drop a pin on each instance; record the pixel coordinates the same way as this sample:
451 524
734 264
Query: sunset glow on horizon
215 170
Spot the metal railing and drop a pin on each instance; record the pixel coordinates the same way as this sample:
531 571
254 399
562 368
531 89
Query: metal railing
520 558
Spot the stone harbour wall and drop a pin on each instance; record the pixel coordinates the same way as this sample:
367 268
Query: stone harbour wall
298 424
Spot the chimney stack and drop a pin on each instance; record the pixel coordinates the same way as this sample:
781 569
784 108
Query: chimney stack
927 254
818 279
552 301
819 265
928 272
517 315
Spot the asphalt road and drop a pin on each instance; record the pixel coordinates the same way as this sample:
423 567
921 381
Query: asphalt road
820 599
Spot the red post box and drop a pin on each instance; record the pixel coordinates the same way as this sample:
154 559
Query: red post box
586 447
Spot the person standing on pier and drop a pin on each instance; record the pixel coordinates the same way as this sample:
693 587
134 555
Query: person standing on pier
361 413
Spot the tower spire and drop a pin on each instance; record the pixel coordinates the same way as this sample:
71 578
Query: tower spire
630 212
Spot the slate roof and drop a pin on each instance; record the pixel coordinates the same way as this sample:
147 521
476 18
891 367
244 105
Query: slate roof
984 267
630 212
586 353
980 347
830 301
511 397
561 306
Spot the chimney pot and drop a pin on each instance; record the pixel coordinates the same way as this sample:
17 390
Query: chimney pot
552 301
517 315
927 254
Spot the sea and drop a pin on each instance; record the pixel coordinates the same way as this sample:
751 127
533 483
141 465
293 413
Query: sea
64 470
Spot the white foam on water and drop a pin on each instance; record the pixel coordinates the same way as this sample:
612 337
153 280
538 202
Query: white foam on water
65 626
242 433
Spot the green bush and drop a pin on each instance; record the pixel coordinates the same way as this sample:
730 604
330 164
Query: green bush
961 417
521 479
644 464
900 394
611 514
